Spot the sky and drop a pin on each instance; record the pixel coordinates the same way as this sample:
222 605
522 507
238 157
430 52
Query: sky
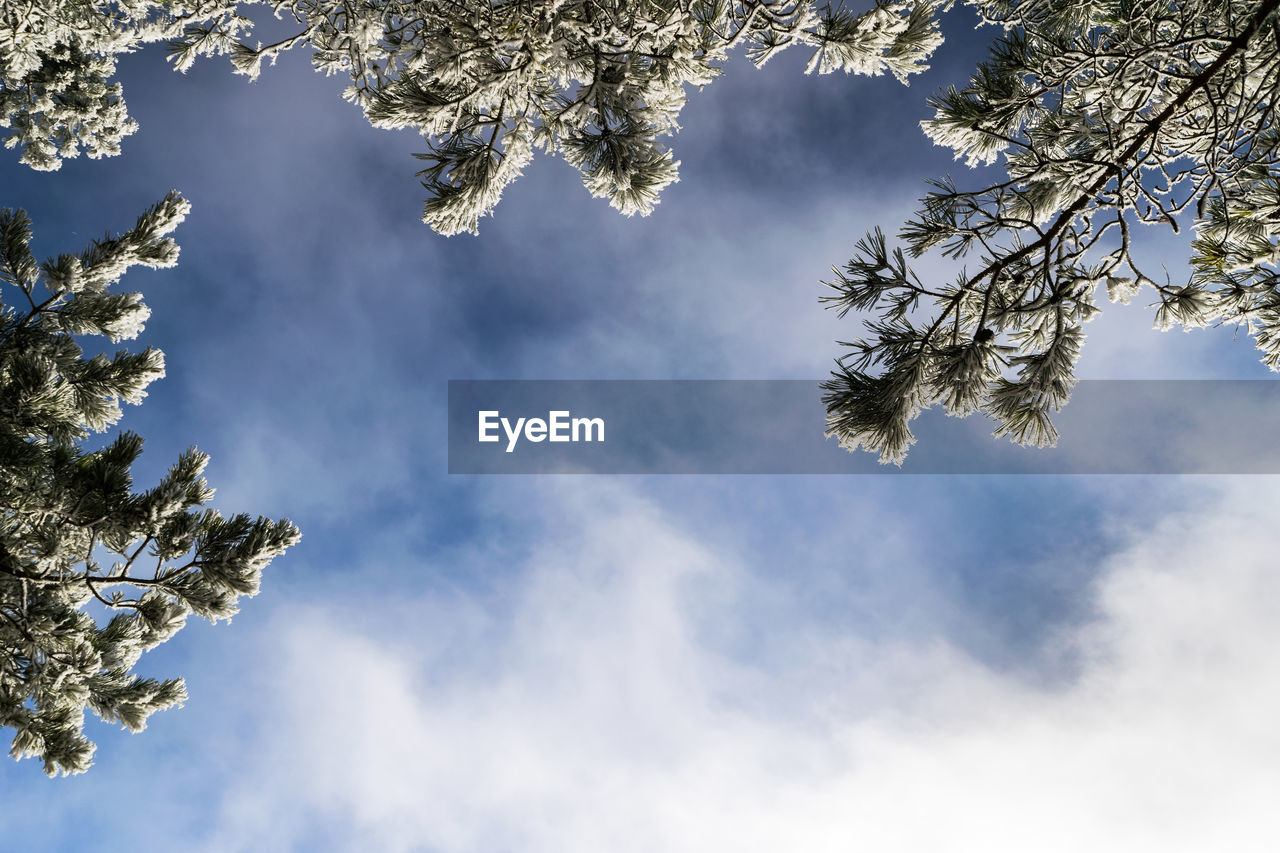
636 663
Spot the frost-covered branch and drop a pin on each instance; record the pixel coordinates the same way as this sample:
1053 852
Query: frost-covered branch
1106 114
65 512
598 82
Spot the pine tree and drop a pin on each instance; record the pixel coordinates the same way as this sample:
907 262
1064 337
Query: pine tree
73 533
57 59
1110 115
487 83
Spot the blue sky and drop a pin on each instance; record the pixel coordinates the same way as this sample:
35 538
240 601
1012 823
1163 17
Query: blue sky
450 663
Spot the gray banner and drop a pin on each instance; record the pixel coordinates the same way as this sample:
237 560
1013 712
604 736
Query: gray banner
776 427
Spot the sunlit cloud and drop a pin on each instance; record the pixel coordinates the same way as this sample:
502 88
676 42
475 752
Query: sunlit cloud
588 711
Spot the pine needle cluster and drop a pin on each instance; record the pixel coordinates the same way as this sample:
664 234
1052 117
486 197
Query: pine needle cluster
1106 115
74 535
486 82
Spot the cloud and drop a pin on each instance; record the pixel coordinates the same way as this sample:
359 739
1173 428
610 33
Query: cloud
586 707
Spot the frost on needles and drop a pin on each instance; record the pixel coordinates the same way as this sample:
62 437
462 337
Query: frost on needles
598 82
1108 115
73 532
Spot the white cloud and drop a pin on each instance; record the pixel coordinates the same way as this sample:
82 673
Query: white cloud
586 712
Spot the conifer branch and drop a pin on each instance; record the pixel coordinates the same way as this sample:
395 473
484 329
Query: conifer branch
1062 97
62 508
